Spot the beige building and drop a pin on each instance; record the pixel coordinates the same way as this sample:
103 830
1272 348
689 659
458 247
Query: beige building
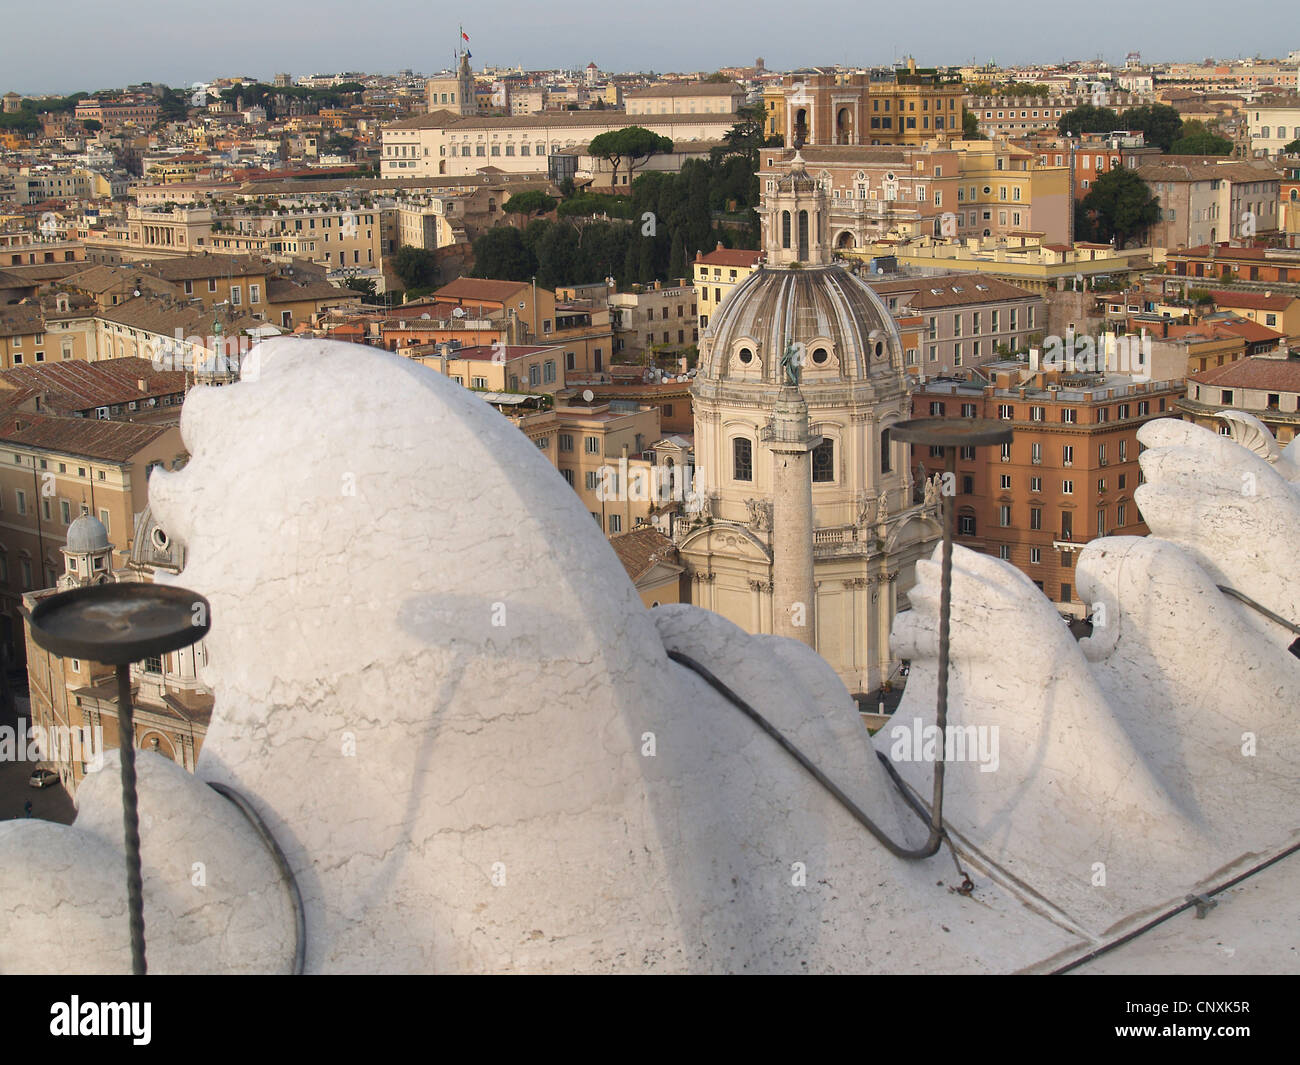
1273 123
444 144
1206 202
660 318
1268 388
54 469
685 98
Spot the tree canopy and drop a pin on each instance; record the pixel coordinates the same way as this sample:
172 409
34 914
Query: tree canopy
1119 206
1196 139
632 144
534 201
1088 118
1160 124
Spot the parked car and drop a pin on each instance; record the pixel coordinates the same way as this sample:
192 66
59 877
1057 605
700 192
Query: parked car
43 778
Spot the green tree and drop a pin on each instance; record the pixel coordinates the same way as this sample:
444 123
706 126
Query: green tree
970 127
645 264
1160 124
1293 148
500 253
1119 205
1196 139
416 267
632 144
534 201
364 285
1088 118
559 257
631 263
92 124
677 257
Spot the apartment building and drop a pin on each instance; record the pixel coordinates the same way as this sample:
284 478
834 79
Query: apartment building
51 328
54 469
1206 202
1222 262
1068 475
1272 124
1268 388
1020 116
137 110
658 319
599 451
498 368
716 274
968 319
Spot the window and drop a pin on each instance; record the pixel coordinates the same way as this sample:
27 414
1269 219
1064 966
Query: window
1005 482
886 458
568 476
1035 484
1065 593
1006 452
1101 522
566 442
742 453
1004 516
966 524
823 462
616 523
254 293
1035 556
936 410
1006 412
1067 488
591 445
1067 455
1036 518
1067 525
1123 456
1101 454
1037 414
967 485
1120 521
1068 414
236 296
1004 552
968 410
65 512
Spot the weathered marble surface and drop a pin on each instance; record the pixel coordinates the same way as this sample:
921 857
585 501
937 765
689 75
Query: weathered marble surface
435 682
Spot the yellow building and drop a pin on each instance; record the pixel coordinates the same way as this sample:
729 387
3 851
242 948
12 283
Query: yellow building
498 368
716 274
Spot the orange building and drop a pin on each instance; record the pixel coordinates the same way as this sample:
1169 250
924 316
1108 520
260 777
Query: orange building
1067 477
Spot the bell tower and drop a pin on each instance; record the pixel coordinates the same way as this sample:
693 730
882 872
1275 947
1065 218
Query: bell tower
795 227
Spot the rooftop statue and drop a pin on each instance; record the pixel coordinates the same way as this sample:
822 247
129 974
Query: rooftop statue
436 684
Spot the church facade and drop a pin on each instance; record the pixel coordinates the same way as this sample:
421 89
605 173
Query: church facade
801 367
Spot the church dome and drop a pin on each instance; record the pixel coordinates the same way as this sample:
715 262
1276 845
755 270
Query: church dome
840 326
87 535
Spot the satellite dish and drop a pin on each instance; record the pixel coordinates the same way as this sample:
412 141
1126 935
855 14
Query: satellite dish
521 305
588 395
458 312
424 317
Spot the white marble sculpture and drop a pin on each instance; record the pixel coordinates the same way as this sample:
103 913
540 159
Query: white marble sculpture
435 682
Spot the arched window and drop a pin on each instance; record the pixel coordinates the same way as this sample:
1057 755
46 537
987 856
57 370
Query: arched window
803 236
742 451
785 229
823 462
886 459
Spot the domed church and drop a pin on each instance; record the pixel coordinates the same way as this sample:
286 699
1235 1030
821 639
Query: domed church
807 527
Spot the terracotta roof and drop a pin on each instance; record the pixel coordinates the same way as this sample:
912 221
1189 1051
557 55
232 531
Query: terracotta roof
1224 252
687 88
1279 375
1257 301
22 320
109 441
610 119
73 385
641 549
484 352
924 293
480 288
730 257
193 267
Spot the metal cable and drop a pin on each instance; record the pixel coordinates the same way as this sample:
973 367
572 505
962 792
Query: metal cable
1242 597
938 834
282 863
1192 900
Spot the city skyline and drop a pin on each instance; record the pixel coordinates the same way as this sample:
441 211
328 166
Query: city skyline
253 41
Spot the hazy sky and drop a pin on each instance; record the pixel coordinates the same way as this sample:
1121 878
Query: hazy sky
80 45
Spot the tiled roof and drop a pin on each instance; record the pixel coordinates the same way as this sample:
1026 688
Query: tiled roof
195 267
641 549
925 293
1257 301
687 88
109 441
730 257
1280 375
74 385
479 288
613 119
22 320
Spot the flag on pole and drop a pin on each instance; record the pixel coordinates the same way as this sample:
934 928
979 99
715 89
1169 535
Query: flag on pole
464 34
